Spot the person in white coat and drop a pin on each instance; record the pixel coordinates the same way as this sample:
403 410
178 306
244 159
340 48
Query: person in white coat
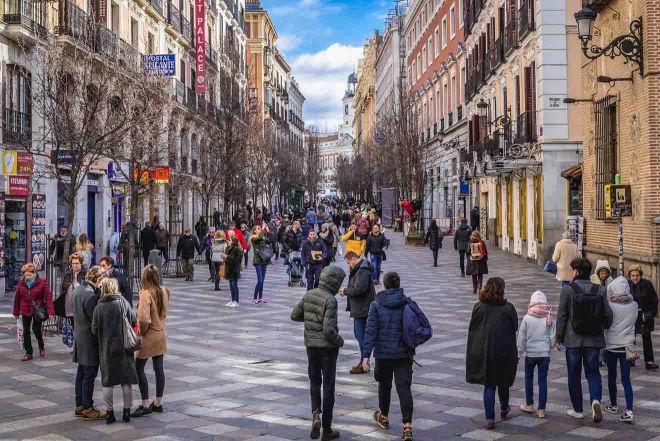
565 251
536 337
618 337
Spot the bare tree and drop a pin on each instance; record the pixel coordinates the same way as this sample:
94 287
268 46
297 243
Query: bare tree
313 167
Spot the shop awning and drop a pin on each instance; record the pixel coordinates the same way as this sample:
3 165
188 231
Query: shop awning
572 172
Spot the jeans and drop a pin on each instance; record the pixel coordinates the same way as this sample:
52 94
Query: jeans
461 258
376 262
401 370
359 330
127 395
27 338
489 400
85 385
543 364
575 359
276 250
233 287
142 378
313 274
261 276
435 255
245 257
322 368
612 358
188 267
215 273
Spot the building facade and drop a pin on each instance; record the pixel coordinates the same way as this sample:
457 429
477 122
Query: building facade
621 137
521 63
364 104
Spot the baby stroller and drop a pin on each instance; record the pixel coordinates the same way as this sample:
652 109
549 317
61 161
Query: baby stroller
295 269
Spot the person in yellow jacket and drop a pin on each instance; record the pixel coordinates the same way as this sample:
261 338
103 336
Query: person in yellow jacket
354 241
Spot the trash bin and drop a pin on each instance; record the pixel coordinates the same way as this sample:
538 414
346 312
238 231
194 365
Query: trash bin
156 259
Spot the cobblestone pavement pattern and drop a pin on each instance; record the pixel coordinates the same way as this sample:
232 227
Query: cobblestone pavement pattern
241 374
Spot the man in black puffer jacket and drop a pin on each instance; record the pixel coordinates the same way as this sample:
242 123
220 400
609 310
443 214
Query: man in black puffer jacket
185 249
461 242
360 293
318 309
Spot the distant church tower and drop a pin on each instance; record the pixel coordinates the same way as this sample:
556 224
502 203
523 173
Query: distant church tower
346 127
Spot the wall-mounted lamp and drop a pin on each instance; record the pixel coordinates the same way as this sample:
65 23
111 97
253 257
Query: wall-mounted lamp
570 100
482 108
629 46
610 80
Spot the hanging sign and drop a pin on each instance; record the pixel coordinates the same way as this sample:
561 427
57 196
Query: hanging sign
19 185
618 201
200 47
163 65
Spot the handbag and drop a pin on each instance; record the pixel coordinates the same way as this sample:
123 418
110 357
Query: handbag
384 256
132 341
550 267
67 333
631 353
40 313
266 253
221 271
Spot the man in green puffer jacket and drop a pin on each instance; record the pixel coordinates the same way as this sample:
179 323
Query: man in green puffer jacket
318 309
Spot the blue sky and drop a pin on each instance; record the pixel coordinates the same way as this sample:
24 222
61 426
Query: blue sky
322 41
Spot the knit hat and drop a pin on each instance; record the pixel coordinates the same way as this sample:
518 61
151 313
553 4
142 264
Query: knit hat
618 291
539 308
538 297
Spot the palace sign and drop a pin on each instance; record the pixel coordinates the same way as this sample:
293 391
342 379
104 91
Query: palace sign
200 47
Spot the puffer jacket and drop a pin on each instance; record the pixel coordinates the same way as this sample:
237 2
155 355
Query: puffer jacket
293 239
318 310
360 290
217 249
384 327
622 331
26 296
462 238
375 244
434 238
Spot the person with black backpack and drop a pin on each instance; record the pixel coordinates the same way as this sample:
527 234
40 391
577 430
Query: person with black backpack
394 358
583 315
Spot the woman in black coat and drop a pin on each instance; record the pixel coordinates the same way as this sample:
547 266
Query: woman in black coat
117 364
434 239
492 355
477 260
647 299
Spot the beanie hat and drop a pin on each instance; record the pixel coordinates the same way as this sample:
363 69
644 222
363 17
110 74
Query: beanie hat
538 297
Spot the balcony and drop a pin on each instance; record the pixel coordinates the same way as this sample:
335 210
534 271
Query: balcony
510 37
498 52
191 100
73 22
526 19
174 17
17 127
526 128
186 29
179 92
157 5
26 20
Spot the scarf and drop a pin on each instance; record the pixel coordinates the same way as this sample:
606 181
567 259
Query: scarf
623 299
30 282
541 310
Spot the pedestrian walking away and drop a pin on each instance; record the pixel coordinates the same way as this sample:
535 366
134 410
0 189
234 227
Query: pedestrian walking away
394 359
314 253
147 240
492 356
474 218
318 310
477 261
434 239
201 229
536 337
85 343
647 300
583 315
163 241
375 251
116 362
217 256
185 250
32 293
619 342
359 292
461 243
152 317
565 251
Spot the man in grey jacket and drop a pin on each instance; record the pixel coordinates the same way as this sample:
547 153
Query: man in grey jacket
85 346
583 347
318 309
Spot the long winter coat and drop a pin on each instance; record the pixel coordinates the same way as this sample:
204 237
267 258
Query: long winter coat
39 294
233 263
360 291
476 267
117 364
148 239
565 251
375 244
647 299
462 238
60 300
492 354
433 238
384 327
318 309
85 346
152 325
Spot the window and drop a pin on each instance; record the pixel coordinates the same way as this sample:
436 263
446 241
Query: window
454 93
419 66
606 140
429 49
151 48
424 56
462 81
452 21
134 33
460 12
445 99
444 32
17 103
437 42
438 111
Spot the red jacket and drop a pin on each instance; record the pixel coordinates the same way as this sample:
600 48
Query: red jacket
239 236
39 293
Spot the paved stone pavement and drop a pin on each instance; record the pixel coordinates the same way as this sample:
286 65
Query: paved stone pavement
240 374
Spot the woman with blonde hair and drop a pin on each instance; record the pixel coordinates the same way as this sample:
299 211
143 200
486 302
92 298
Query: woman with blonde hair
151 316
85 247
477 260
217 251
117 364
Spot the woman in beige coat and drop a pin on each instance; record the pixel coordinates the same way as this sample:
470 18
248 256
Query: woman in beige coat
151 315
565 251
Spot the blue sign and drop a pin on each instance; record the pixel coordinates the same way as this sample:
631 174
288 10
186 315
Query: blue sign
465 187
163 65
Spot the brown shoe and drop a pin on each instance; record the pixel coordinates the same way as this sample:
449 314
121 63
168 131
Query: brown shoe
78 411
490 425
93 414
357 369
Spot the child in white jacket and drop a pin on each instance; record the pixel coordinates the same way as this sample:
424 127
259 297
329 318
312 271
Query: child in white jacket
536 336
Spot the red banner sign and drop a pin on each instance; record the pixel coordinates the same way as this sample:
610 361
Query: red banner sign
19 185
25 162
200 47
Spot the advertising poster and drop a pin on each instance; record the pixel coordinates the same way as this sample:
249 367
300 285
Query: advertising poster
38 230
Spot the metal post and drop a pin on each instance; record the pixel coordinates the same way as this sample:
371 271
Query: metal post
620 238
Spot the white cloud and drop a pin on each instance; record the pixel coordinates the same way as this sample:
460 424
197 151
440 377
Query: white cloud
288 42
322 78
306 8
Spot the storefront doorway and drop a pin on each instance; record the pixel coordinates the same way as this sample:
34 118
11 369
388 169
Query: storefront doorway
15 240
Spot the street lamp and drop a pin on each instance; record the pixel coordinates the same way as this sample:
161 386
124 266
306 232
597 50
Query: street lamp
585 21
482 108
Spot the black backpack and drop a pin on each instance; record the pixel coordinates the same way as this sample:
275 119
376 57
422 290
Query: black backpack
587 313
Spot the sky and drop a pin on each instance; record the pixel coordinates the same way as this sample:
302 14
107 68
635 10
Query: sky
322 40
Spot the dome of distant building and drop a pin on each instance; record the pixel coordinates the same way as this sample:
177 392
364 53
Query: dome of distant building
352 78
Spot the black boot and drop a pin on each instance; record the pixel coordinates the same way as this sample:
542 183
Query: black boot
329 434
316 425
110 417
127 416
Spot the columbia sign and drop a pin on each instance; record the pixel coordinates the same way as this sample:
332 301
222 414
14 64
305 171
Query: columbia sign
200 47
163 65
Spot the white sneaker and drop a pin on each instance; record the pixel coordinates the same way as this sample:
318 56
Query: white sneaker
234 305
597 411
229 303
574 414
527 408
541 413
627 416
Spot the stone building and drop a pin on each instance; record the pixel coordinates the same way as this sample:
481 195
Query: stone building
364 104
